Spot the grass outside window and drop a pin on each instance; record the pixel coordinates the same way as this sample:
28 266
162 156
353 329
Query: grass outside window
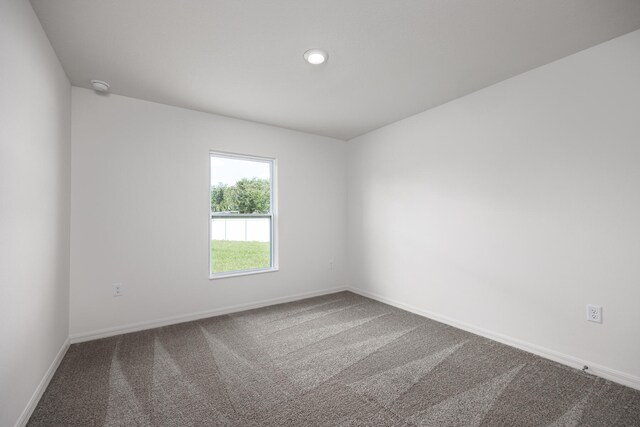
229 256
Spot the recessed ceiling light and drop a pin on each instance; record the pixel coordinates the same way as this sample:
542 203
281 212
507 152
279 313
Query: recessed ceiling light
100 86
316 56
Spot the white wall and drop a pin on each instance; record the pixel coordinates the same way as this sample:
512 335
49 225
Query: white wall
35 125
140 211
512 208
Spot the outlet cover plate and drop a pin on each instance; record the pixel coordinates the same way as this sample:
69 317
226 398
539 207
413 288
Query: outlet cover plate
594 313
118 290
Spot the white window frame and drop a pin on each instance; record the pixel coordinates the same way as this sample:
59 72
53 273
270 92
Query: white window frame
273 208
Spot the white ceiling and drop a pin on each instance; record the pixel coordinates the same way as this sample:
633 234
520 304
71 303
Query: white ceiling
388 59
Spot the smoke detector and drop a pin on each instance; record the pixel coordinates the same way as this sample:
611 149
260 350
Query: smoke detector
100 86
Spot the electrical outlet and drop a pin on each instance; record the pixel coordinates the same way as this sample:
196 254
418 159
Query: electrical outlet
594 313
117 290
330 265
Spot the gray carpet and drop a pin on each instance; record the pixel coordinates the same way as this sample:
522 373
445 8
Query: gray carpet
336 360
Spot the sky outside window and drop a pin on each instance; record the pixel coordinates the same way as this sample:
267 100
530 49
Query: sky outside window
229 171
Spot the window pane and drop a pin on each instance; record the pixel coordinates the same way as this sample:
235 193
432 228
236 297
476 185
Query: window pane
240 244
240 186
241 214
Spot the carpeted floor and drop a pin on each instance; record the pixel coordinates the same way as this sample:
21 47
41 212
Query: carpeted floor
336 360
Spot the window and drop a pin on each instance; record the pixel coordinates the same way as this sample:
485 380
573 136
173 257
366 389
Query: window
242 220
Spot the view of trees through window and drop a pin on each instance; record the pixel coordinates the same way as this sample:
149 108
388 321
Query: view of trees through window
247 196
241 214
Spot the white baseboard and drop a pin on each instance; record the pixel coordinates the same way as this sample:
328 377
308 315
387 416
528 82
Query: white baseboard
140 326
574 362
37 394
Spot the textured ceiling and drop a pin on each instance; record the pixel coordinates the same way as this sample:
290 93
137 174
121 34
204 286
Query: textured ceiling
388 59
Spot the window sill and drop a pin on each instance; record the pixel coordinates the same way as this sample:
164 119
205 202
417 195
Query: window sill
242 273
